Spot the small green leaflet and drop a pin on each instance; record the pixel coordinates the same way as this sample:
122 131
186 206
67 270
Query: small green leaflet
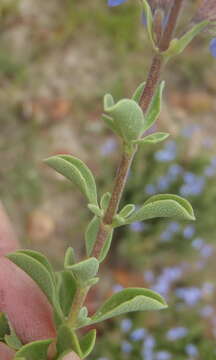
163 205
127 116
84 270
138 92
152 139
149 25
105 199
129 300
155 108
77 172
34 351
177 46
91 234
67 341
87 343
66 287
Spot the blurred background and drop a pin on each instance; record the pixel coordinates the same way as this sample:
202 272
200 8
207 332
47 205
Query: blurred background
57 59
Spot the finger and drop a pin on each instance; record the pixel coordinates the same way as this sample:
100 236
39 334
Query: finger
25 304
71 356
8 239
5 352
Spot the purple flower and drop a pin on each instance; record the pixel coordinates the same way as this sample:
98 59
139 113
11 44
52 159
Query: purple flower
191 350
176 333
163 355
189 231
207 311
212 47
126 347
138 334
115 2
137 226
190 295
126 325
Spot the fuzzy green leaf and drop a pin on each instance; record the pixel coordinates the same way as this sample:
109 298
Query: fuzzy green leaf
149 19
96 210
110 123
42 259
4 326
34 351
66 286
77 172
105 199
67 341
127 210
91 234
128 118
87 343
69 257
129 300
84 270
38 272
13 341
83 318
177 46
155 108
153 138
163 205
138 92
106 247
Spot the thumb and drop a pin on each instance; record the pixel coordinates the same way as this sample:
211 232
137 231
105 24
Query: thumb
5 352
70 356
8 239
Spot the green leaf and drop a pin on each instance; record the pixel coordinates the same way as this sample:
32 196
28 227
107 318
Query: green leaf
13 341
67 341
69 257
177 46
105 199
77 172
155 108
87 343
110 123
149 25
42 259
91 234
4 326
106 247
153 138
163 205
129 300
96 210
127 210
128 118
38 272
84 270
66 286
138 92
34 351
83 318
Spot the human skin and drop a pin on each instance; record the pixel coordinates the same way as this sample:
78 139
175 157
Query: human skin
26 306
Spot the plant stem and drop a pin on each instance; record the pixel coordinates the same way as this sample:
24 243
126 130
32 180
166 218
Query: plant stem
127 158
78 302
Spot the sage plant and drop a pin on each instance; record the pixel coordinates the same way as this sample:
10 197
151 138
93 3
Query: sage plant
43 310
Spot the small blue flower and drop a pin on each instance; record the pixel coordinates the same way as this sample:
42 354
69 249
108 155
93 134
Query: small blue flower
126 347
163 355
150 189
126 325
138 334
212 47
189 231
137 226
115 2
191 350
176 333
